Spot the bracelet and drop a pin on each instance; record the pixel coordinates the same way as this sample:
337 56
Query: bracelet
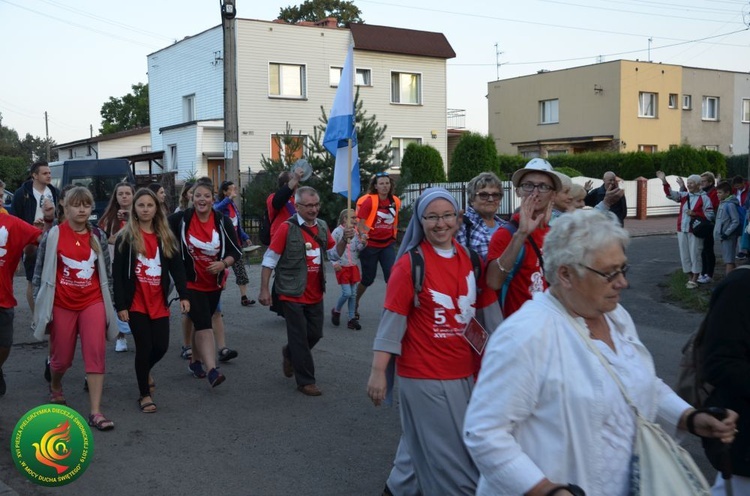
499 266
226 265
571 488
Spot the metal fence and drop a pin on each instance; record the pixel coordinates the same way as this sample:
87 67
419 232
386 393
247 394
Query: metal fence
508 204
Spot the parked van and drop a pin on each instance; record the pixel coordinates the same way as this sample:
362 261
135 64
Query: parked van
99 175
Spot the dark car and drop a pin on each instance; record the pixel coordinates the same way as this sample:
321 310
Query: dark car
100 176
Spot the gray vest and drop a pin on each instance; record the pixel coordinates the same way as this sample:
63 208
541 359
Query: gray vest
291 270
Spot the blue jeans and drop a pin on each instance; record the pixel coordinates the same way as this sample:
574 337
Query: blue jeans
348 293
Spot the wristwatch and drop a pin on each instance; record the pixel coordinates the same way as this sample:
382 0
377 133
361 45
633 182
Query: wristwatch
571 488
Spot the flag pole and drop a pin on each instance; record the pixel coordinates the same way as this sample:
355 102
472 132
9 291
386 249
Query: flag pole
349 184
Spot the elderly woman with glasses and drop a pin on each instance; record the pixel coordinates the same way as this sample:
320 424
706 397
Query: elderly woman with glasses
435 361
546 415
480 221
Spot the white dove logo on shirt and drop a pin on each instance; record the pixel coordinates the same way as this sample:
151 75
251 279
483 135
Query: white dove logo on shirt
153 265
385 218
85 268
465 302
211 248
3 240
315 254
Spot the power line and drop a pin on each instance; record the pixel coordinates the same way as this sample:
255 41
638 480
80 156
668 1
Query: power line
650 14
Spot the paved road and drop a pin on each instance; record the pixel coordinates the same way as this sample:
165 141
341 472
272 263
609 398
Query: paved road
255 434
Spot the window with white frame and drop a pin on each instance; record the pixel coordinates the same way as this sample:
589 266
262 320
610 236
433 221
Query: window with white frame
188 108
549 111
713 148
673 100
172 157
745 110
398 147
287 80
406 88
288 148
687 102
362 77
647 104
710 108
648 148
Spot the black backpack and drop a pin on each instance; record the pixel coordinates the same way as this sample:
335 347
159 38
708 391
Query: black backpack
265 228
417 269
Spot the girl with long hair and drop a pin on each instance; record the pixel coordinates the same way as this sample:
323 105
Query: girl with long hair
113 219
208 247
72 292
145 256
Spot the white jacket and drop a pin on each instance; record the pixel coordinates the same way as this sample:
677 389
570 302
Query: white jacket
537 410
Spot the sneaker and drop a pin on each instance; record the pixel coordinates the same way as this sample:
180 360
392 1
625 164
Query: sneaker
691 285
742 255
215 377
704 279
47 373
2 383
121 345
354 324
226 354
335 317
196 368
186 352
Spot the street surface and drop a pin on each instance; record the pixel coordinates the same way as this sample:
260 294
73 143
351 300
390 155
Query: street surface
255 434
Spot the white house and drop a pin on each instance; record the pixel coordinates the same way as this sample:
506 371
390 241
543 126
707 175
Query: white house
285 73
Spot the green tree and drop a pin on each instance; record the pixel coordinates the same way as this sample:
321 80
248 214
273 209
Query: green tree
374 156
315 10
474 154
127 112
10 145
421 164
35 148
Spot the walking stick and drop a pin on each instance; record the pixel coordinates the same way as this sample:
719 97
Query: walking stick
726 457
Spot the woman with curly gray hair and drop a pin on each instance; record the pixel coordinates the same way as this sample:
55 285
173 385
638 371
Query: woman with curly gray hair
546 415
480 221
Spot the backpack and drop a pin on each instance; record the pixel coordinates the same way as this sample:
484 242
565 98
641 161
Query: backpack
265 228
742 214
690 384
417 269
512 227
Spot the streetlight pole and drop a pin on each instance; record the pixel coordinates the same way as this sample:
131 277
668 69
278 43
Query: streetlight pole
231 133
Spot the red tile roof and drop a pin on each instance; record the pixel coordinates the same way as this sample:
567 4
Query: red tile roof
402 41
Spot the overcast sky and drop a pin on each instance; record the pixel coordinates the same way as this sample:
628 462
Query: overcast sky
67 57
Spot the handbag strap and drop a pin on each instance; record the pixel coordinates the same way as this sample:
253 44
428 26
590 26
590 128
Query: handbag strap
584 334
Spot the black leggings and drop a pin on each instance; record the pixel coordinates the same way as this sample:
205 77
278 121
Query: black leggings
151 342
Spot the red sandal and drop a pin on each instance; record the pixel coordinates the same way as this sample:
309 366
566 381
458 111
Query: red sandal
57 397
101 422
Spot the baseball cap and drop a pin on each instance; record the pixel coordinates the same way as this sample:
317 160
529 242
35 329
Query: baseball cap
537 165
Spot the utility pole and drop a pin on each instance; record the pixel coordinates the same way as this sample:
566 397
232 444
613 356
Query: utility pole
46 130
231 133
650 40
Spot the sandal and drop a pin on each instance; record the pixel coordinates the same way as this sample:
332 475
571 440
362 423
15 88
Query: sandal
57 397
246 302
101 422
147 407
226 354
187 352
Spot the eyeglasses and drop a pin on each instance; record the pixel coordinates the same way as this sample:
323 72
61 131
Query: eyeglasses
381 174
541 187
484 196
434 219
308 205
612 275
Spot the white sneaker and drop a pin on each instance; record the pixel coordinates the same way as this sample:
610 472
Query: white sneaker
121 345
704 279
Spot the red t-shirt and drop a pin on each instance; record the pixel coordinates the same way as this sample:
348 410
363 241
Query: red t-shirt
433 346
77 272
203 242
278 217
15 234
233 218
529 278
381 233
149 298
314 290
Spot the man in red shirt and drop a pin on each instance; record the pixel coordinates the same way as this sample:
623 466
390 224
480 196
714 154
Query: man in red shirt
296 255
535 184
15 235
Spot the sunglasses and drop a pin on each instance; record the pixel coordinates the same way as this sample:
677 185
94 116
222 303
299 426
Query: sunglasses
381 174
